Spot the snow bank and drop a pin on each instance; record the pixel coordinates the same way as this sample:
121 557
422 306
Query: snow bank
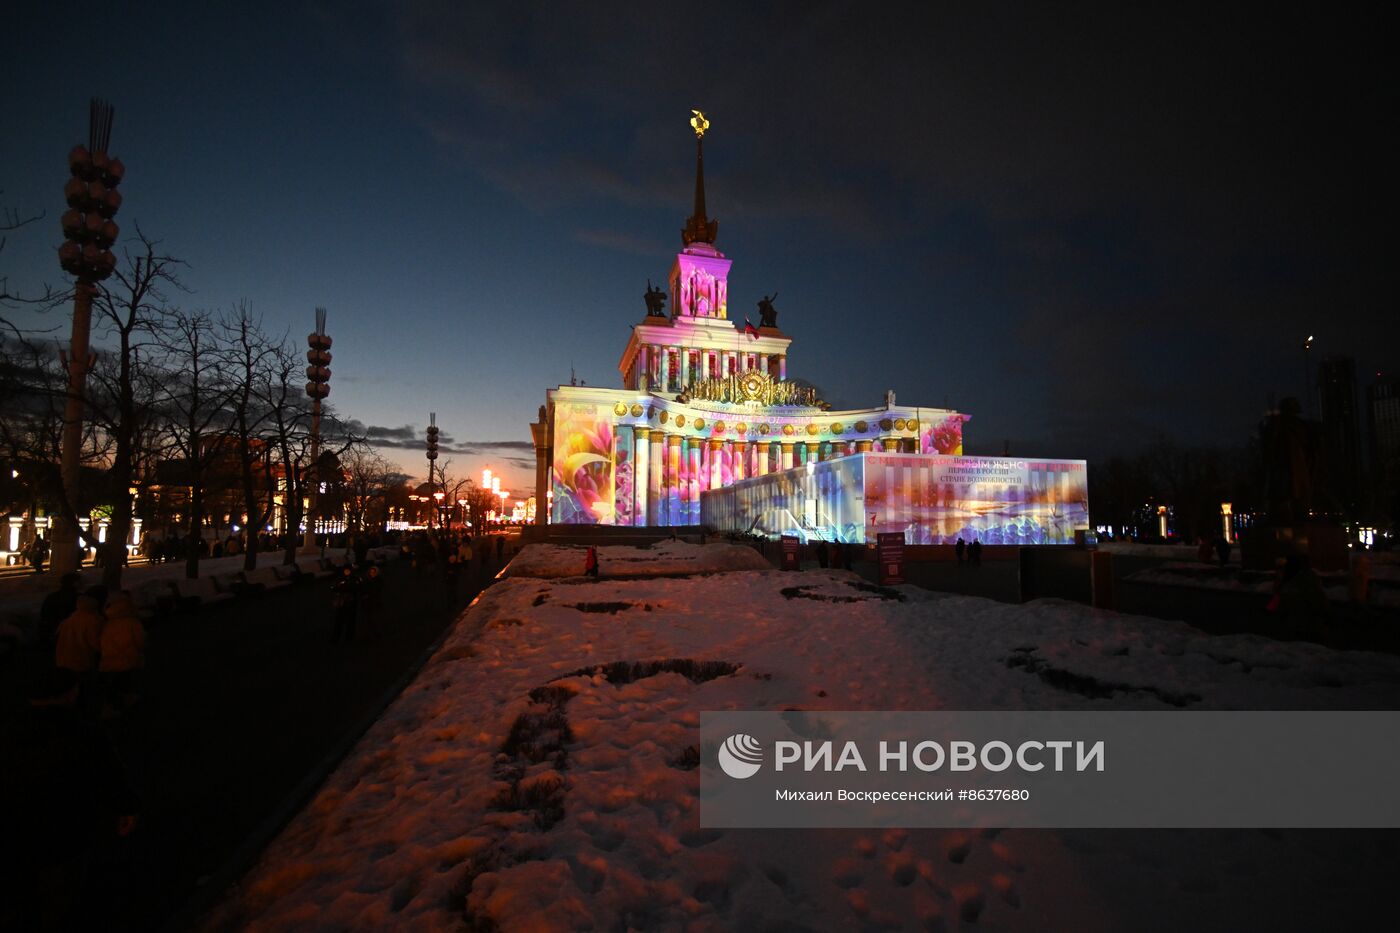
665 558
540 772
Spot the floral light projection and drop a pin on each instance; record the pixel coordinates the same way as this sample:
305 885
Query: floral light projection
583 465
945 437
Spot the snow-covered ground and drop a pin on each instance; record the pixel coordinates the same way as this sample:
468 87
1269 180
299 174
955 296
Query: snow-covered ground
539 773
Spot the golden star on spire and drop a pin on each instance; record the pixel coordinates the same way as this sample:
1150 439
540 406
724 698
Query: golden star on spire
699 123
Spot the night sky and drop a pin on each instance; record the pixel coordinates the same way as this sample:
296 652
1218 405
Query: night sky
1081 226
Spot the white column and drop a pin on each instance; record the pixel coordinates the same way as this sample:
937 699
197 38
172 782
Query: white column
16 526
658 455
764 449
641 450
782 367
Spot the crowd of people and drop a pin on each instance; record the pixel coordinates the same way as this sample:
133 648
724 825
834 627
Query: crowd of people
98 638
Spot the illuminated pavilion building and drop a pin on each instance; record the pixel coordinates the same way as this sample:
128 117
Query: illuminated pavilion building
707 406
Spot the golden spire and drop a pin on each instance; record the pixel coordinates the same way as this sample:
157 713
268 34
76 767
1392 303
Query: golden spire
698 227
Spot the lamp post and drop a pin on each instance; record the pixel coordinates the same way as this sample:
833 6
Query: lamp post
1307 376
93 200
318 374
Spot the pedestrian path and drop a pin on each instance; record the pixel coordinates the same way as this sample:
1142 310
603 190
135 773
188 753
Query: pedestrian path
22 595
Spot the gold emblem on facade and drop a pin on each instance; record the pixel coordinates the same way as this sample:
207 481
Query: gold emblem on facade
861 426
680 421
837 428
753 388
741 428
913 424
664 417
719 427
787 429
812 429
899 424
637 411
699 424
620 409
885 423
764 429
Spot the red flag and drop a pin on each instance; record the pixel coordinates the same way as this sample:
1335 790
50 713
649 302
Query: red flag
750 329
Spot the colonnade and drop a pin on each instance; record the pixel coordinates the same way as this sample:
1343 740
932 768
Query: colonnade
673 469
689 363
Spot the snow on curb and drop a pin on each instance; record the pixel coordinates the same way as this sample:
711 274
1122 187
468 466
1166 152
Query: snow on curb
664 558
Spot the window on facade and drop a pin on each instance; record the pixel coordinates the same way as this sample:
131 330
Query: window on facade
694 365
673 365
733 362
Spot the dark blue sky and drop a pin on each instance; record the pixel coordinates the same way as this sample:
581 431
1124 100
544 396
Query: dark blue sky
1080 225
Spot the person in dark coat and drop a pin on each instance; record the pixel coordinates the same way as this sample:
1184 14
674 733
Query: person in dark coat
372 597
58 606
1222 549
344 604
590 563
974 552
38 553
823 555
960 549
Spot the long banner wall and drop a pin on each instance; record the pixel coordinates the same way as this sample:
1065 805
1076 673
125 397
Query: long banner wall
996 500
930 498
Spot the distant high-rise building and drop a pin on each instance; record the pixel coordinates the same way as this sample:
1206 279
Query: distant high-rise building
1341 431
1383 422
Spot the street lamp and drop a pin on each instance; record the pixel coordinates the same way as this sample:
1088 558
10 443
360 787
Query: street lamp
93 200
1307 375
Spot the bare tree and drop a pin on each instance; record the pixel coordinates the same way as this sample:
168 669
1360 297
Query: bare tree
249 355
369 479
131 310
194 394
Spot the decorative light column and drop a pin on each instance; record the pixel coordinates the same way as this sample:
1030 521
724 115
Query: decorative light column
432 455
765 449
786 461
318 376
1227 521
93 200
